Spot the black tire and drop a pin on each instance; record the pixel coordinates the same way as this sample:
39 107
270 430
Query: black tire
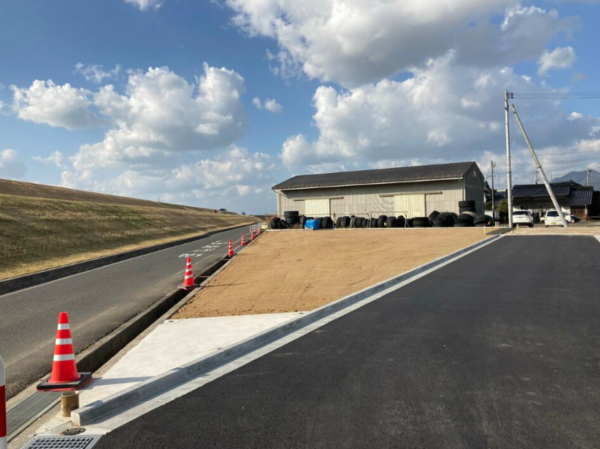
345 221
391 222
352 222
291 213
283 224
468 212
484 220
292 221
409 223
444 220
372 222
464 221
327 223
338 222
302 220
468 203
274 223
382 221
421 222
365 223
400 221
433 216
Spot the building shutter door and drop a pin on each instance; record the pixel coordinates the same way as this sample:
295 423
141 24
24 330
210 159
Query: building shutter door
317 208
410 205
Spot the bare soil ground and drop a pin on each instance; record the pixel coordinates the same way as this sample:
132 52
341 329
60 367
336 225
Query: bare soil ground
44 231
295 271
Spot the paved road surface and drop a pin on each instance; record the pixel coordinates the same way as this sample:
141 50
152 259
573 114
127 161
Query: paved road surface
497 350
98 301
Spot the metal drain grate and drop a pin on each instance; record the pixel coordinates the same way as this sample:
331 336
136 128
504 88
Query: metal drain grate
83 442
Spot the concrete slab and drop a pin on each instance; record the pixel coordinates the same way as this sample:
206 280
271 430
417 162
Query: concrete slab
175 343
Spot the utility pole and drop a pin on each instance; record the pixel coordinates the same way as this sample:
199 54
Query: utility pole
508 165
493 194
540 169
587 180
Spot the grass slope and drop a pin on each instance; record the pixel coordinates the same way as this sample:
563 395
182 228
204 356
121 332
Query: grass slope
43 227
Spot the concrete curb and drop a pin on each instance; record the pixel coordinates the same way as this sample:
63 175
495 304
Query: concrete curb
41 277
160 383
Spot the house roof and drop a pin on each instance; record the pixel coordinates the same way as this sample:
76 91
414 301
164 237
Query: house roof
381 176
575 194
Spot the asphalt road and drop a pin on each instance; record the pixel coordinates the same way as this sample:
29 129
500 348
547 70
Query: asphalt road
497 350
98 301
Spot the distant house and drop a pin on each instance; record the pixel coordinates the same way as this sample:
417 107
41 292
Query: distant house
409 191
573 198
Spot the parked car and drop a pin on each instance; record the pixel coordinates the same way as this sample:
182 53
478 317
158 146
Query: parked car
222 211
552 218
522 218
572 218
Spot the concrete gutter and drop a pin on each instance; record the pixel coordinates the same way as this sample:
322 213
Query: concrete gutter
151 387
106 348
41 277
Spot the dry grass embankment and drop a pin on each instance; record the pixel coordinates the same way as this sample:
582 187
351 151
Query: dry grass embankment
43 227
296 271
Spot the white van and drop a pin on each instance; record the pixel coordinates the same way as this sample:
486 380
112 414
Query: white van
552 218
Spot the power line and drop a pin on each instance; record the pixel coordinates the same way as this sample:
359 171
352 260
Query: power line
554 95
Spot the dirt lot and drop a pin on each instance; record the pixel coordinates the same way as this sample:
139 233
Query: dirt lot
557 230
299 270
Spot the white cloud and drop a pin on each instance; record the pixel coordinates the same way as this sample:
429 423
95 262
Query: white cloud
161 114
146 4
559 58
56 158
445 112
234 177
96 73
46 102
357 41
10 165
270 105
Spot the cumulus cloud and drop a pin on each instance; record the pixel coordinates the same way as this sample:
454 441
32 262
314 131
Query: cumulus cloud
56 158
161 114
96 73
146 4
445 112
270 105
559 58
10 165
234 177
356 41
59 106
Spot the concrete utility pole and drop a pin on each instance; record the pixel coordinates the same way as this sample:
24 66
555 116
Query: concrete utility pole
493 195
587 181
540 169
508 165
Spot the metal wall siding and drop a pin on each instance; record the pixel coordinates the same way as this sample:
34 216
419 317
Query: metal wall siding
368 200
474 189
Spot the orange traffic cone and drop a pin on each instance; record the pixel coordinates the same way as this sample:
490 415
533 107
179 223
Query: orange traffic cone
259 231
243 243
252 236
230 252
188 277
64 370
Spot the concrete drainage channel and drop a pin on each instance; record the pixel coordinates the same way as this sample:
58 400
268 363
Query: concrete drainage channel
21 415
170 379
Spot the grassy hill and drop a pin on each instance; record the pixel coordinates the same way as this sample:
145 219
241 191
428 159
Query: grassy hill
43 226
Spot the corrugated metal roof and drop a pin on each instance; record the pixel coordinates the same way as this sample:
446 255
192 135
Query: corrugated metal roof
381 176
582 196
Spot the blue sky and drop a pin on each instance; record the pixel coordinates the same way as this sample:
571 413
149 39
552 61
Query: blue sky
356 85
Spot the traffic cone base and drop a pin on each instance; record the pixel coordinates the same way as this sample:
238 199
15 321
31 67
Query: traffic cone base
64 369
84 378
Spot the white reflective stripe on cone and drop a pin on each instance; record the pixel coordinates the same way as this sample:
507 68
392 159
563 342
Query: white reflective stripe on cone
64 341
63 357
63 327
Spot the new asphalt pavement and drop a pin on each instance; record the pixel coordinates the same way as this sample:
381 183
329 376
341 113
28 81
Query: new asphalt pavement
499 349
98 301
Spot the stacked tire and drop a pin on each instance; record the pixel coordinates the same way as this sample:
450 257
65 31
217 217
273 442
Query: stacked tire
444 220
466 206
484 220
421 222
291 217
464 220
274 223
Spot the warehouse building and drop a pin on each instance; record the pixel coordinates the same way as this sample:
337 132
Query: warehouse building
573 198
408 191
